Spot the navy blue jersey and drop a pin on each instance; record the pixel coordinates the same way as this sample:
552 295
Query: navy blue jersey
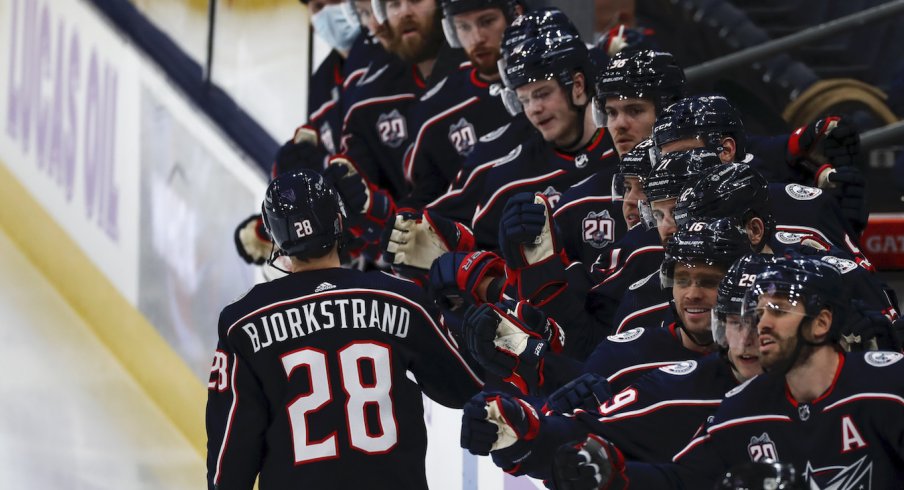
645 303
450 118
852 436
538 168
624 357
376 128
324 90
809 210
587 219
635 257
680 396
498 147
309 380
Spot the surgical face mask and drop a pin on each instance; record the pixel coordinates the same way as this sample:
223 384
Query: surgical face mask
333 26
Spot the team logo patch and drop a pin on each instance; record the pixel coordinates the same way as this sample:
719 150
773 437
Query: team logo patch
640 283
680 368
581 160
802 192
494 134
496 89
462 137
843 265
599 228
326 136
761 448
626 336
858 474
789 238
392 128
737 389
882 358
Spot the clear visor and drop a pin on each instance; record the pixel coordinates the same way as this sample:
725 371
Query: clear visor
451 35
727 322
773 299
646 215
511 102
668 278
599 112
621 185
379 9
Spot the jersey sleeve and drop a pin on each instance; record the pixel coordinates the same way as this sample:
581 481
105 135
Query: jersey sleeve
237 418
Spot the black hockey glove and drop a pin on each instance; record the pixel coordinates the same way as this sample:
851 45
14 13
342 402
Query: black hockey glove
590 465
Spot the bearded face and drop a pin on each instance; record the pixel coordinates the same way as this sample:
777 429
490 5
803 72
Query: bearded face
415 29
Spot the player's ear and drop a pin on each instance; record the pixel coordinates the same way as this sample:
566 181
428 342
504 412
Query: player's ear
821 324
729 150
579 89
756 231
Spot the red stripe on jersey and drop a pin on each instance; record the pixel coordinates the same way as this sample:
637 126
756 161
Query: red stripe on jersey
581 201
639 313
228 431
865 396
480 212
409 160
372 101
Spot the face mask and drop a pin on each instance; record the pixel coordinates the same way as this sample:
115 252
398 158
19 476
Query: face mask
334 27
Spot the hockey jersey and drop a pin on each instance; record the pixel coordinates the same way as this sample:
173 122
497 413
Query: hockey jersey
310 379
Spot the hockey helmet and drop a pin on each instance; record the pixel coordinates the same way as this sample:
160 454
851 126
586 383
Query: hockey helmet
732 289
718 242
452 8
670 174
647 74
707 117
635 163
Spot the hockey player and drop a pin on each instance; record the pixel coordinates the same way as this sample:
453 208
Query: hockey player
308 387
451 118
835 416
680 396
697 258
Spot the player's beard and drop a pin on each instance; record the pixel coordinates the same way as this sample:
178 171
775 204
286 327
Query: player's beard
415 49
792 352
486 66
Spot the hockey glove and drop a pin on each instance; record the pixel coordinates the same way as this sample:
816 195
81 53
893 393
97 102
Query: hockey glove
455 277
416 239
361 198
586 392
830 141
499 423
851 186
593 464
868 329
509 339
300 152
252 240
534 258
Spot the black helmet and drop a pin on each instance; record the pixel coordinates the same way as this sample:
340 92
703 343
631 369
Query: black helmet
646 74
708 117
762 475
710 242
552 51
303 214
636 163
732 289
674 171
730 190
455 7
800 279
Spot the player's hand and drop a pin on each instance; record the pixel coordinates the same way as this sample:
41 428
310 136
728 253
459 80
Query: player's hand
851 192
498 422
586 392
868 329
526 231
831 140
359 196
456 277
252 240
416 239
510 339
590 465
300 152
